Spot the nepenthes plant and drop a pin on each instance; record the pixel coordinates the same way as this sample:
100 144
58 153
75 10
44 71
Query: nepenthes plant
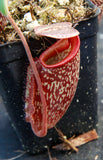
51 79
59 81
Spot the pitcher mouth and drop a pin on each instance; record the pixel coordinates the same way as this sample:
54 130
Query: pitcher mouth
58 57
60 53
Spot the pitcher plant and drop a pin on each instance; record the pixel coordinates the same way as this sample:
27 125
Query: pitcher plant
52 78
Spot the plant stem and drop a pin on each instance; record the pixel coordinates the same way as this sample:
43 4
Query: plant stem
35 72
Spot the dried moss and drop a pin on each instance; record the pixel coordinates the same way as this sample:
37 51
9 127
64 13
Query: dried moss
29 13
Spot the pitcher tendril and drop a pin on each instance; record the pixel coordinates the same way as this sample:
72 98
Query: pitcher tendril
5 11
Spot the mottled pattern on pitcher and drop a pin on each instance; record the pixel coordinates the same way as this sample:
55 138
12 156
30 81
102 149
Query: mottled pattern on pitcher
59 85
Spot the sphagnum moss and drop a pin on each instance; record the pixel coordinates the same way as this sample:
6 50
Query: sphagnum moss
30 13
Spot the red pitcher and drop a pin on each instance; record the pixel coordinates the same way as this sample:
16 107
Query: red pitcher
58 68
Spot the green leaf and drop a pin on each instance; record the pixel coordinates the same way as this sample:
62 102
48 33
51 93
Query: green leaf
4 7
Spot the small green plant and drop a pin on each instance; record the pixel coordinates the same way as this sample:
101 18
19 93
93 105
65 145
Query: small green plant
4 7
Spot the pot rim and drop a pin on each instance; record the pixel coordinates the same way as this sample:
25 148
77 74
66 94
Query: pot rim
97 12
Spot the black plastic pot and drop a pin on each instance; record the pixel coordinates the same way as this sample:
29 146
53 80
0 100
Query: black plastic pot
80 117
